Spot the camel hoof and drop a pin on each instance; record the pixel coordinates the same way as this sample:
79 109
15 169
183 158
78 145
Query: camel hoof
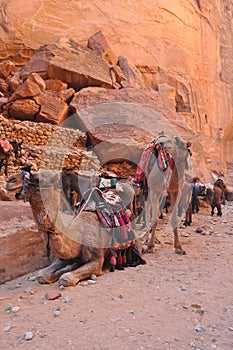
150 249
143 249
180 251
67 280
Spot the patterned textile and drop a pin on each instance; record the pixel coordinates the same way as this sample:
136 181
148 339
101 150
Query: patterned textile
144 163
163 156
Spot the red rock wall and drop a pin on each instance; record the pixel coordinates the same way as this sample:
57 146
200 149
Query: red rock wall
184 44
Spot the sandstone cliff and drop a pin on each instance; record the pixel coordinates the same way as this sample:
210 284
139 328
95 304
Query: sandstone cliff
181 48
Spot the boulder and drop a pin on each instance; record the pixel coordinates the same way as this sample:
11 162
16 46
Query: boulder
229 194
67 94
34 85
55 85
6 68
14 82
71 63
52 108
3 86
24 109
133 77
98 43
3 101
119 123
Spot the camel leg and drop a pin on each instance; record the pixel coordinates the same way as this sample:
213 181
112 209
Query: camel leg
174 222
83 272
177 245
151 243
219 210
154 219
52 273
212 210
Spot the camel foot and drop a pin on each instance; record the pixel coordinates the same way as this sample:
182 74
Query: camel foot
150 249
180 251
186 223
68 279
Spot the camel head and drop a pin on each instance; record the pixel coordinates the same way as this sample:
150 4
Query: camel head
15 183
24 183
182 152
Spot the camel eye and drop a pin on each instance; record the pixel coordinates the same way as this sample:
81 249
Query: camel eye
13 179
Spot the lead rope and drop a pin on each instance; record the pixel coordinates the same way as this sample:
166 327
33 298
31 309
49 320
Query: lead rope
48 246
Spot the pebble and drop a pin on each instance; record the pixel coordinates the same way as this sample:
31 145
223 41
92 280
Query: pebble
199 328
199 229
91 282
8 309
28 336
120 296
116 319
7 329
15 309
31 278
65 300
230 328
93 277
184 234
57 313
51 295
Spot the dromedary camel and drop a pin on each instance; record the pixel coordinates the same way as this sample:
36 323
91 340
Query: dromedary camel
79 245
160 182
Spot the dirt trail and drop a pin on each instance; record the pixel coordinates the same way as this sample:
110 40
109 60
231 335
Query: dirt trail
171 303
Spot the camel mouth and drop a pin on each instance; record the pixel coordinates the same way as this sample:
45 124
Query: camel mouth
13 188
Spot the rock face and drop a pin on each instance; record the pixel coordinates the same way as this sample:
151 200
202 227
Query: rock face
29 254
120 123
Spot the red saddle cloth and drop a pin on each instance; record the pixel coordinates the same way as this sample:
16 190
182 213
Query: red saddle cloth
165 160
6 146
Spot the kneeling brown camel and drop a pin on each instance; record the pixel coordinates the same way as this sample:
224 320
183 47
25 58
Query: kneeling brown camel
80 244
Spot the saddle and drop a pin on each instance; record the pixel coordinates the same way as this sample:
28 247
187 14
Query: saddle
161 154
114 218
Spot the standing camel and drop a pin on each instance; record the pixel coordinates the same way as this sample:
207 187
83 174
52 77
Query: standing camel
160 182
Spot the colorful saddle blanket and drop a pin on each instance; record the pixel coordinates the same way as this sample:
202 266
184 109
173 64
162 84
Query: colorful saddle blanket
158 151
115 219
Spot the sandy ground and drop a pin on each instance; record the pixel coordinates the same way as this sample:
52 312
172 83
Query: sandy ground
171 303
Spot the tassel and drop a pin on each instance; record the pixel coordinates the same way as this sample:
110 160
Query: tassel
123 229
112 263
119 265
